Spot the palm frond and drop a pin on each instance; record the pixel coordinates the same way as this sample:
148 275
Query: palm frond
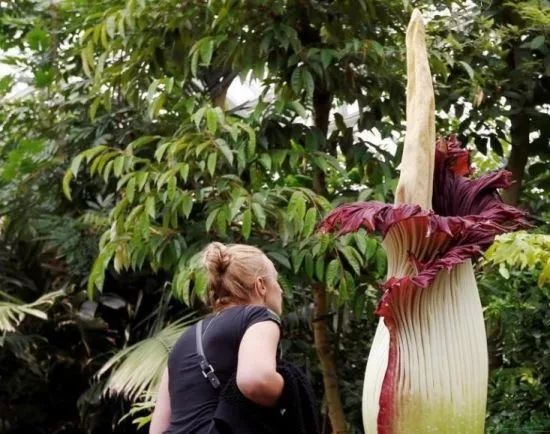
141 411
13 312
137 369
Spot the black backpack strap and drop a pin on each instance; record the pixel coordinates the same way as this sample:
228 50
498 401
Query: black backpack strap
206 368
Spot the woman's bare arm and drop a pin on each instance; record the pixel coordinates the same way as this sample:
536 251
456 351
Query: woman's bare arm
257 376
161 416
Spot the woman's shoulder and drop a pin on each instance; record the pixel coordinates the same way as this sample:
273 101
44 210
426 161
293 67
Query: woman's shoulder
251 314
239 318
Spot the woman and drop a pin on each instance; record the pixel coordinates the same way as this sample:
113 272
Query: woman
241 335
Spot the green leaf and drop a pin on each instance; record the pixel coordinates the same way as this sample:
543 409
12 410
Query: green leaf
544 276
278 157
308 82
280 258
298 108
150 206
378 48
222 145
504 271
101 34
324 243
265 43
186 204
194 63
297 206
309 265
210 219
340 123
198 115
351 256
236 206
75 164
38 39
67 183
206 50
141 141
211 120
43 77
333 272
168 85
184 171
201 284
468 69
537 42
259 214
107 170
131 189
211 163
247 224
320 268
251 144
181 285
91 153
156 106
372 245
199 149
121 26
296 81
297 257
97 275
118 166
141 179
361 242
6 84
111 25
381 262
222 221
309 222
343 288
326 57
265 159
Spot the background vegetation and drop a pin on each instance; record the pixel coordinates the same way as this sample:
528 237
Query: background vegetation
121 157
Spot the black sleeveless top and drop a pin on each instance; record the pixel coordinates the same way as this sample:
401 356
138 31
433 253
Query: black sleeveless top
192 398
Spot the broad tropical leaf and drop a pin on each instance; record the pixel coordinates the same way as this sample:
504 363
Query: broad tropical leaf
137 369
523 250
13 312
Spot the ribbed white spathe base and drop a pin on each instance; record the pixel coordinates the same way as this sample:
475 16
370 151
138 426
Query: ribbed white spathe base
442 364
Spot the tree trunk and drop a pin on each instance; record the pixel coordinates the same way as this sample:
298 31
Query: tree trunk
518 156
217 83
322 101
519 129
219 99
326 358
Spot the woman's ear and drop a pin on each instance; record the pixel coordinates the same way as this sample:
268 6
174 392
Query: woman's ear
260 287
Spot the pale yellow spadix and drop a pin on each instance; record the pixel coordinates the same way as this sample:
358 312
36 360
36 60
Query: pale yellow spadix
417 163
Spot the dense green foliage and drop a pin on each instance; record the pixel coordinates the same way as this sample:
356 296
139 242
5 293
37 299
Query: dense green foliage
121 157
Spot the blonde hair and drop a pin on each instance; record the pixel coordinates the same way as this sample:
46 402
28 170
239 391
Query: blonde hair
232 271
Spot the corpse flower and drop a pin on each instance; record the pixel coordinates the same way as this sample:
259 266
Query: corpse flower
428 367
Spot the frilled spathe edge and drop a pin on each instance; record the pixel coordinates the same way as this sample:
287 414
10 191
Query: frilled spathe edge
473 215
467 236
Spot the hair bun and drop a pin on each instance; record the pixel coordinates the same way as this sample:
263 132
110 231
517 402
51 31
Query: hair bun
216 258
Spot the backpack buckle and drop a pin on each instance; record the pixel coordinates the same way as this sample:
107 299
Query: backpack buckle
208 372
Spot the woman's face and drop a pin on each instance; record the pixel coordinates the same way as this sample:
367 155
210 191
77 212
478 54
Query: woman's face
274 293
